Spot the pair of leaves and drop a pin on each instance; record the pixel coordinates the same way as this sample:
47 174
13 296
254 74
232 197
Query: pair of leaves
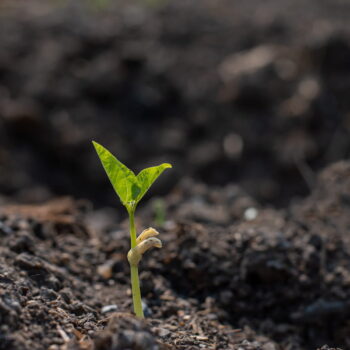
129 187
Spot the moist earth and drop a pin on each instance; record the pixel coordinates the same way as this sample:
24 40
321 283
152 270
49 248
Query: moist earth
248 100
278 279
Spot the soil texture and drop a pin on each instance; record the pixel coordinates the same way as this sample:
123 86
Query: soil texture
248 278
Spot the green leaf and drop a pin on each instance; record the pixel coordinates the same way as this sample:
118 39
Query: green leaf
121 177
147 176
129 187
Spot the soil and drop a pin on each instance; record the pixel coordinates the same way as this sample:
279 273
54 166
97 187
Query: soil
249 101
279 280
170 82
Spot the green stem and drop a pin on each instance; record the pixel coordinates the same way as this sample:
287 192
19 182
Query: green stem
132 227
135 283
136 293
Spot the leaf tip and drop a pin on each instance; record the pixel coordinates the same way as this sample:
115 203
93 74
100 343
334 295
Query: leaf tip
95 143
98 148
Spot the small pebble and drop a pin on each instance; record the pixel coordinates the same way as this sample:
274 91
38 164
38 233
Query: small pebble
146 310
109 308
250 214
202 338
54 347
106 270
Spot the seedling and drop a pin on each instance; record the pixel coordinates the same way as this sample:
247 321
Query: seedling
130 189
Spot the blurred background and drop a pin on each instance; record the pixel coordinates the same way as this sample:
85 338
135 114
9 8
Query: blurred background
251 92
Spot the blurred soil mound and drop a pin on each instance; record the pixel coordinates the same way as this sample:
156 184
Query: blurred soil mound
253 93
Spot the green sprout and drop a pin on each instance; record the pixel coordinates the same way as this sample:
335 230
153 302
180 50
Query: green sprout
130 189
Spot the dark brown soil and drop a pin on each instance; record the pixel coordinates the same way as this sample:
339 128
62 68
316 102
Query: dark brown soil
171 82
249 100
278 281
